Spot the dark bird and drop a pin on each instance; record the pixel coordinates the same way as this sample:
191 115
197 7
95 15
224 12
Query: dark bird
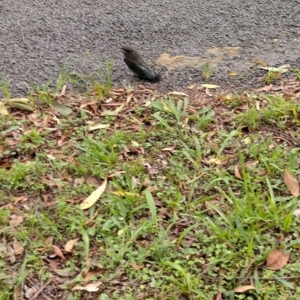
137 65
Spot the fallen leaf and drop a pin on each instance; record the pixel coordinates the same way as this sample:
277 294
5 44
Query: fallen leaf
3 110
297 212
92 287
170 148
91 274
18 248
224 160
232 73
94 196
265 88
92 180
79 181
67 272
291 183
137 267
177 94
277 259
237 172
218 296
49 241
70 245
247 141
273 69
16 220
192 86
98 126
244 288
63 91
210 86
62 109
58 252
113 112
21 103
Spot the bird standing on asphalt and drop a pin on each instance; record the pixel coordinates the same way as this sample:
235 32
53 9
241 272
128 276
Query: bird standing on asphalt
136 64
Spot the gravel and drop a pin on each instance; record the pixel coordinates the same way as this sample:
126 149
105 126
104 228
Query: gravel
38 38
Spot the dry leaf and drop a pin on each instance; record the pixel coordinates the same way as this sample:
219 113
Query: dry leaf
291 183
237 172
3 110
18 248
58 252
91 274
15 220
297 212
244 288
192 86
223 161
177 94
70 245
98 126
92 287
277 259
49 241
137 267
265 88
210 86
94 196
170 148
113 112
63 91
232 73
219 296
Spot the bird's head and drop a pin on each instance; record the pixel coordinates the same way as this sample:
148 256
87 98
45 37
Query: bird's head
131 53
127 49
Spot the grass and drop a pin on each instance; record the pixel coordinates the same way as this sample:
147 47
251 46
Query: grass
207 71
193 206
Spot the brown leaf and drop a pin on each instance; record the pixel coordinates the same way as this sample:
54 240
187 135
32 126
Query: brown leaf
63 91
297 212
20 199
18 248
79 181
219 296
91 274
237 172
94 196
92 287
49 241
265 88
137 267
277 259
70 245
244 288
15 220
291 183
53 265
92 180
58 252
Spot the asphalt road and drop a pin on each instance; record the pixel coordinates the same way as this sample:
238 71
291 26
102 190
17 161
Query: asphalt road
38 37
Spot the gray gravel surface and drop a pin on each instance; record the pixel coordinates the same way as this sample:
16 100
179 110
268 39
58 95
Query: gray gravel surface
38 37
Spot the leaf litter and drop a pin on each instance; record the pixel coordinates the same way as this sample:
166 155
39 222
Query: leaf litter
122 107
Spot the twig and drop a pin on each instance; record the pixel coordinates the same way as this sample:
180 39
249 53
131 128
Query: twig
41 289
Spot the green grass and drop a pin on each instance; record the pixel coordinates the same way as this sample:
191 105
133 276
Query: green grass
174 221
5 86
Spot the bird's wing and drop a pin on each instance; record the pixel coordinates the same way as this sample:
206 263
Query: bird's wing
134 67
141 70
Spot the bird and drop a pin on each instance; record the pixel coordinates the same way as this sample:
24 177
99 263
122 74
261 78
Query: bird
137 65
